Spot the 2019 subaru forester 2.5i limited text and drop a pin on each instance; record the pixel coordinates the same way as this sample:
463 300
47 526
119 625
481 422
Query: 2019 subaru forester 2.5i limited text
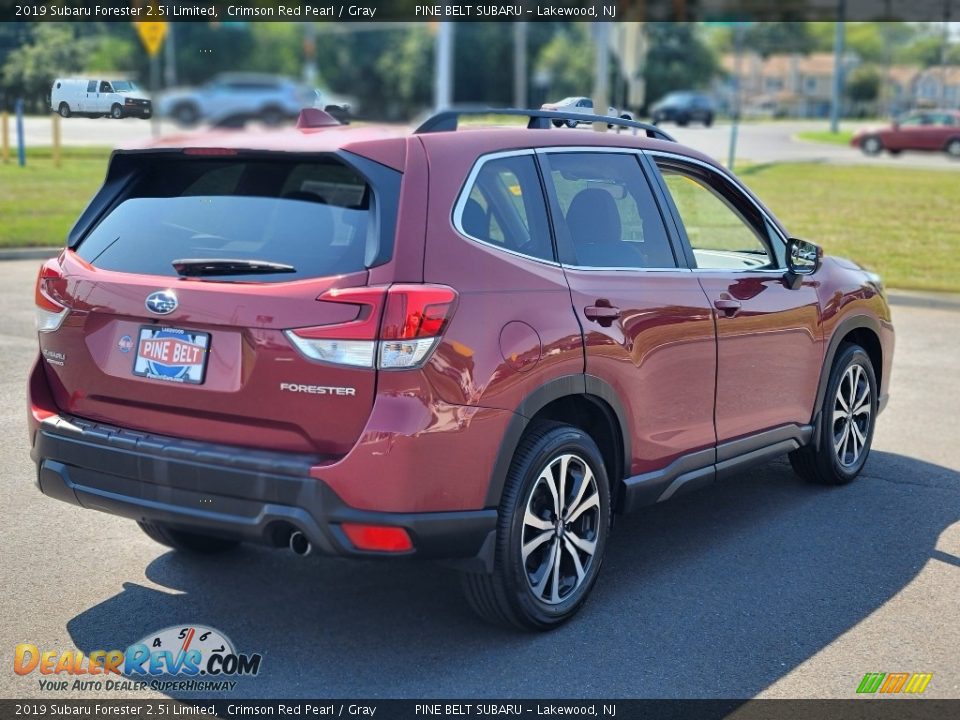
474 345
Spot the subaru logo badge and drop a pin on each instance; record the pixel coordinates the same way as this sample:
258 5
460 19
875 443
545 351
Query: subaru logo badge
162 302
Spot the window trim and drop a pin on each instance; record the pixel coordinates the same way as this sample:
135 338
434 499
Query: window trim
676 248
456 218
743 193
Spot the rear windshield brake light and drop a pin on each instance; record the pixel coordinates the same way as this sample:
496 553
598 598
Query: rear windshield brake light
210 152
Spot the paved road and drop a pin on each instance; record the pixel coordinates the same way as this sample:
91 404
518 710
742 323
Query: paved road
758 142
760 586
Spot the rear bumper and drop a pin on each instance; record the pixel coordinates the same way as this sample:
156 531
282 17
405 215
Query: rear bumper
252 495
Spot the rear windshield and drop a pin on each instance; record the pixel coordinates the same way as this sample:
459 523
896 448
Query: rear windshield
317 215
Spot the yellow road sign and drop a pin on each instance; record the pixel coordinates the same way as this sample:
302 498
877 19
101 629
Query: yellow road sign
151 35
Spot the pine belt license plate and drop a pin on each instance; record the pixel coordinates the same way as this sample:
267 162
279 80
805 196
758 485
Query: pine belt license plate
172 354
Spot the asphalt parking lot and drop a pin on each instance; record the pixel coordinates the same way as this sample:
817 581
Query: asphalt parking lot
759 586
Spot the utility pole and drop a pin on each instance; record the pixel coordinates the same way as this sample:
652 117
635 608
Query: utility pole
739 30
170 58
601 81
839 39
443 75
310 54
520 65
943 53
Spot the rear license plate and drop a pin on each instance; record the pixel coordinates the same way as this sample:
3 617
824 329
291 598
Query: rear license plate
172 354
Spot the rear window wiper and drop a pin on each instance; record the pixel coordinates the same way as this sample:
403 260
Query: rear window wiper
206 267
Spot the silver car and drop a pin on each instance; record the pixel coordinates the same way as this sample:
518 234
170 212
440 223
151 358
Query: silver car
582 106
269 98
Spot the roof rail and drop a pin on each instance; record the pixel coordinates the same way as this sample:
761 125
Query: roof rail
447 120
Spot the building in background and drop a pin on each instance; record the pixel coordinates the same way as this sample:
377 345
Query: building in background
938 86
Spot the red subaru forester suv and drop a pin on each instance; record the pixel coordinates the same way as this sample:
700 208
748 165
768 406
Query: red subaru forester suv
474 345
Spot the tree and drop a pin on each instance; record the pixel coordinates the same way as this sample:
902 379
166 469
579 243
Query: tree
409 72
773 38
567 62
51 50
863 84
678 59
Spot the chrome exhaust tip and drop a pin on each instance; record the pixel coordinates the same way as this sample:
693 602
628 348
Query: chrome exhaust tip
299 544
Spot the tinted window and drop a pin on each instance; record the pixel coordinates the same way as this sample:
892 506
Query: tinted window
505 207
92 86
608 217
318 216
718 234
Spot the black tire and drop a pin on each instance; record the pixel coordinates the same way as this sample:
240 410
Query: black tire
116 111
571 123
184 541
64 110
557 123
683 120
822 464
871 145
186 114
509 595
708 120
272 116
952 148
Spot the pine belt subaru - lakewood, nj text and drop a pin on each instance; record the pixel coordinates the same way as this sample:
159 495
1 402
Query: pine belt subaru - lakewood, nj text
471 344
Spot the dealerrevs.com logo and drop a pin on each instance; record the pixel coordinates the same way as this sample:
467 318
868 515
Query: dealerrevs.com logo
184 658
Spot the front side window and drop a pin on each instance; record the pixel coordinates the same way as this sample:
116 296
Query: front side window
505 207
607 217
719 234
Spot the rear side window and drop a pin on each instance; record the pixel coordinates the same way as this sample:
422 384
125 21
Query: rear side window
318 215
504 206
607 217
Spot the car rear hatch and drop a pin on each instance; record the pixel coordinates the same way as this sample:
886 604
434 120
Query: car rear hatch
206 295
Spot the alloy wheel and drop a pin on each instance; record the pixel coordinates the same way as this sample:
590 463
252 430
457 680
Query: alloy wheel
561 526
852 410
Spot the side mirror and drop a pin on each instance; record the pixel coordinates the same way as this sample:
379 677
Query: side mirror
803 258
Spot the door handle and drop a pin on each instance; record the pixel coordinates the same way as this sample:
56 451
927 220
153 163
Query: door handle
727 305
603 313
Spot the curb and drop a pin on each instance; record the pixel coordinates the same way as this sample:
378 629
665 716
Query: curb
939 301
29 253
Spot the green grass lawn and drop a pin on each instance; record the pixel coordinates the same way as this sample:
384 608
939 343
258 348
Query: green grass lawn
825 136
900 222
39 203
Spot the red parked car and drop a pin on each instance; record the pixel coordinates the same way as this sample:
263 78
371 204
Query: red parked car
930 130
475 345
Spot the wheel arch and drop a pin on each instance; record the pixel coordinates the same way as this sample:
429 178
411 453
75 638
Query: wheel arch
864 330
584 401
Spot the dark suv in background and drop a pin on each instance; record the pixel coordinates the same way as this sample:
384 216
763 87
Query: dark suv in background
475 345
683 108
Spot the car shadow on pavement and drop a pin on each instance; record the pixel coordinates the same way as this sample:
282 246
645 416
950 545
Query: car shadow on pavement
715 594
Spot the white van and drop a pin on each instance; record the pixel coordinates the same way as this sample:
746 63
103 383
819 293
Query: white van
96 97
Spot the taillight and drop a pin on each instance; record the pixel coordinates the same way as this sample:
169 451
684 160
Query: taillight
413 319
50 313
